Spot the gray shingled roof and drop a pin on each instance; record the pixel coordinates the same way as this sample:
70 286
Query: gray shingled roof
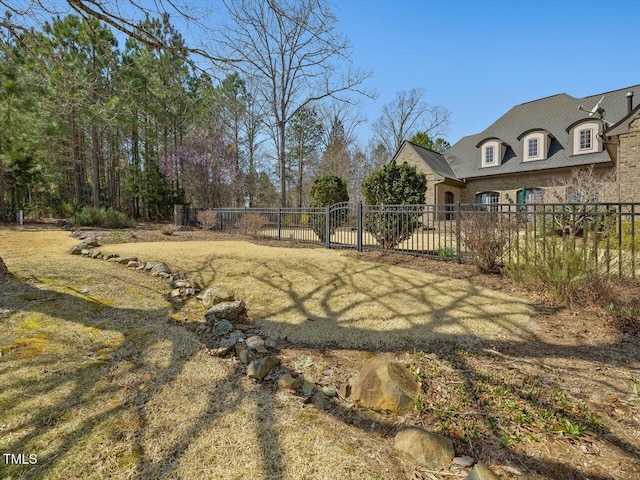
436 162
553 114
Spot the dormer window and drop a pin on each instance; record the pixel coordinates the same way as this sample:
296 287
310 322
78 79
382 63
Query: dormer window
489 154
535 144
584 136
585 139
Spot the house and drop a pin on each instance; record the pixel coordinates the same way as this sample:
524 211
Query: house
529 154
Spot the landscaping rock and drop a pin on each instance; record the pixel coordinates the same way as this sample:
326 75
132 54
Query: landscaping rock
190 292
258 369
180 283
175 293
126 260
77 250
423 448
246 356
85 251
308 388
320 400
481 472
90 242
254 341
96 254
289 382
223 327
109 256
225 311
227 343
160 270
385 385
133 264
112 257
464 461
214 296
237 335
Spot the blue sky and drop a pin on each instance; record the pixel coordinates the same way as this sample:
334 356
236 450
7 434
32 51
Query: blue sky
478 59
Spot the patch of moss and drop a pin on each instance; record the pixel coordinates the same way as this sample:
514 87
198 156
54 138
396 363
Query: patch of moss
24 348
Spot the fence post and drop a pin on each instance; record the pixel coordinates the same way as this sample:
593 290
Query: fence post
327 230
458 233
359 227
244 218
279 223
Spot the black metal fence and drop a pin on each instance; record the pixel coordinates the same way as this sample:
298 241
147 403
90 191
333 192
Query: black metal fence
602 234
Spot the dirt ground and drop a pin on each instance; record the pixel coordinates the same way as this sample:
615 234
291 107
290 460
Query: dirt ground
564 404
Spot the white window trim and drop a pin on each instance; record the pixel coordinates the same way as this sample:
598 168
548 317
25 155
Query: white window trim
542 147
497 153
596 143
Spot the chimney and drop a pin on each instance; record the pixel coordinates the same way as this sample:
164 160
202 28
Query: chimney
629 102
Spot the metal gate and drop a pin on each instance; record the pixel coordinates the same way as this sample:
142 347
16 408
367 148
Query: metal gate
344 226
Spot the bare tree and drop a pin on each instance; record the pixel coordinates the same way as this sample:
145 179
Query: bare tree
405 116
124 16
294 54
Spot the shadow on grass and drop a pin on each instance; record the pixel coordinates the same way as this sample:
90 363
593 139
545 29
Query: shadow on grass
444 329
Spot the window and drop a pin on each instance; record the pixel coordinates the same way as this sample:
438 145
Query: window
489 154
488 200
530 195
585 139
533 148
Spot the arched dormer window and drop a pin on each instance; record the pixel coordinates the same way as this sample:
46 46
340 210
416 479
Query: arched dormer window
584 136
535 144
492 152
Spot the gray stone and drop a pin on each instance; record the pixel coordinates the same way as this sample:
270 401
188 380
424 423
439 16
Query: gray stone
258 369
126 260
112 257
225 311
175 293
223 327
214 296
482 472
160 270
254 341
227 343
308 388
423 448
77 250
85 251
329 391
261 349
133 264
190 292
179 283
237 335
96 254
287 381
464 461
246 356
385 385
320 400
90 242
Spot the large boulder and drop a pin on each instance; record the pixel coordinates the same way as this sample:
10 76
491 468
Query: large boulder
159 270
423 448
385 385
213 296
225 311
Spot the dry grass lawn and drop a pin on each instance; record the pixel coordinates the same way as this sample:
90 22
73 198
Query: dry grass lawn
103 377
328 298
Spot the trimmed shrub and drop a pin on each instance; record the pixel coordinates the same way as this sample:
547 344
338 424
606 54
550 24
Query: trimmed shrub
389 187
327 190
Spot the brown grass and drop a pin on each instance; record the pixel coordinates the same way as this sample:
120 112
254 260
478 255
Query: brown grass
100 381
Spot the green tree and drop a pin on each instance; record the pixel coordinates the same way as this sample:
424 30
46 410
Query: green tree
303 139
424 140
394 195
325 191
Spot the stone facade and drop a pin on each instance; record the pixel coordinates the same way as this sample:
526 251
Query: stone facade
629 163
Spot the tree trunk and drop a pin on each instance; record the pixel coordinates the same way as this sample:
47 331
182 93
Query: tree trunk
95 168
282 164
2 212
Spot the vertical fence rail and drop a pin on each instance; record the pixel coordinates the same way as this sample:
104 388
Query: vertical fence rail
603 234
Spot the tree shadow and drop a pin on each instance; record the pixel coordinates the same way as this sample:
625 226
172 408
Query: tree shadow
445 328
